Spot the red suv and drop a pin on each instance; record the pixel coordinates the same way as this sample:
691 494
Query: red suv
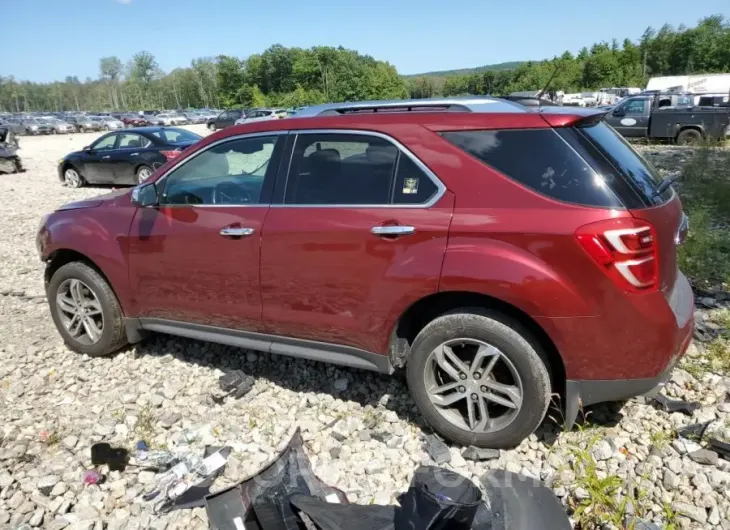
498 253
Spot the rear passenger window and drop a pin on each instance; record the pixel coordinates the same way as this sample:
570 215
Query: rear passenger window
341 169
539 159
412 185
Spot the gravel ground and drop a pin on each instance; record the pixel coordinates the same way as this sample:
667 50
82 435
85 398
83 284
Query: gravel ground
362 431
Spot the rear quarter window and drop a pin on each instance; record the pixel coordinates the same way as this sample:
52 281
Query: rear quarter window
541 160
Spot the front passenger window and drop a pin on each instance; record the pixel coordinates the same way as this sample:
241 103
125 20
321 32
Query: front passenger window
231 173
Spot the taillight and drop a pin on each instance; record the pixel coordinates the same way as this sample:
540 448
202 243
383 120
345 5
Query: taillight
170 154
626 248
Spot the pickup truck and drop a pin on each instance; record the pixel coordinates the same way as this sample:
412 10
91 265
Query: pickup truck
654 116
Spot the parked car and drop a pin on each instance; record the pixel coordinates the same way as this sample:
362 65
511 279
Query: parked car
59 126
125 157
495 253
131 119
669 117
109 123
261 115
85 123
168 118
573 100
225 119
194 117
14 124
34 126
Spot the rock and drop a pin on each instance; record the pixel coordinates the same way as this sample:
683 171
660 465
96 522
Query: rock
146 477
714 517
374 466
156 400
37 518
670 480
252 356
704 457
59 524
602 450
169 419
341 384
70 441
6 479
45 484
104 429
16 500
335 452
697 514
364 436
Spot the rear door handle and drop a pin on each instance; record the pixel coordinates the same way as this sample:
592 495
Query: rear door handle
394 230
107 156
235 231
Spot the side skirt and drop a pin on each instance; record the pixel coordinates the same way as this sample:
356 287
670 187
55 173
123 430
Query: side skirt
301 348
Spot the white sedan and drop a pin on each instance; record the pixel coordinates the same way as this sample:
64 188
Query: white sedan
166 118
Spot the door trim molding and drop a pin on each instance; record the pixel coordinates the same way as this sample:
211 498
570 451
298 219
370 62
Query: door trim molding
293 347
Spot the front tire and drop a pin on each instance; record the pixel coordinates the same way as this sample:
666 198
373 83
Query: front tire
85 310
478 378
72 178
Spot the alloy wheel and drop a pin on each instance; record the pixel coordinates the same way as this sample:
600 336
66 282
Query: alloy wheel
80 311
473 385
143 174
72 178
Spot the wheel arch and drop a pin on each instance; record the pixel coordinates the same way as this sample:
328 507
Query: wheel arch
423 311
694 127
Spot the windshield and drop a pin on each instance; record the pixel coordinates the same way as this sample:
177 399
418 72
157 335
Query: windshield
176 136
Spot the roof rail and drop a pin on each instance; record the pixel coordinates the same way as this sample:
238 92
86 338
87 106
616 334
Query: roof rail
451 104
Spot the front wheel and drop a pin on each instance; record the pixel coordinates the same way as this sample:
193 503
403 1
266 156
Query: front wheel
85 310
72 178
479 379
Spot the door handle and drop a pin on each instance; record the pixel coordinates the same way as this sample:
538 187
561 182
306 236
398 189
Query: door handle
235 231
107 156
393 230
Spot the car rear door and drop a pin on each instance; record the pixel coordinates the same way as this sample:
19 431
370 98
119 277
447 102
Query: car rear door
357 233
132 150
194 259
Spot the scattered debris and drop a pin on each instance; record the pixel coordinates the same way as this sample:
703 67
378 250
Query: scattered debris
662 402
116 458
437 449
235 384
722 448
479 454
695 431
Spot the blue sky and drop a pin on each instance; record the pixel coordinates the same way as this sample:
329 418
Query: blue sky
50 39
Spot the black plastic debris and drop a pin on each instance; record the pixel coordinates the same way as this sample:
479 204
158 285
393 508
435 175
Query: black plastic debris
437 449
235 384
695 431
117 458
479 454
662 402
720 447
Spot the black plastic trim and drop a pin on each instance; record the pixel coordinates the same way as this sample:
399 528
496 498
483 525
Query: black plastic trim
301 348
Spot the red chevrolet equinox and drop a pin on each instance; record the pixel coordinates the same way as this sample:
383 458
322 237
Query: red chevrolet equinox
498 253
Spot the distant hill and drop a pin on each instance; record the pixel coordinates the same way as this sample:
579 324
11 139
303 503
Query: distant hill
445 73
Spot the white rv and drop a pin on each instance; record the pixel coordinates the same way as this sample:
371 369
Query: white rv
706 87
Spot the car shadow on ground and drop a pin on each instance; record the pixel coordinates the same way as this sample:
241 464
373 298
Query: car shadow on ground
367 389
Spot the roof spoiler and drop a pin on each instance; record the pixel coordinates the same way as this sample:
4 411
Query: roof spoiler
572 117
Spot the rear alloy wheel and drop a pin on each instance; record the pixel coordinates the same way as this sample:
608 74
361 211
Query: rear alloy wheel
689 137
72 178
478 379
85 310
143 173
211 127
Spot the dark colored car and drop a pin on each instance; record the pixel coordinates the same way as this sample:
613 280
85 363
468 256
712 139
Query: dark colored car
131 119
498 253
124 157
225 119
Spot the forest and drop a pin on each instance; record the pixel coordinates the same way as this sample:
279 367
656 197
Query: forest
290 77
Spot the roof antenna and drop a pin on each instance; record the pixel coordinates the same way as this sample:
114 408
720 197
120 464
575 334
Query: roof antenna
547 85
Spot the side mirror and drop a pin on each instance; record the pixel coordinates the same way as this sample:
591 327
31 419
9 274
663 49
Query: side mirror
619 112
145 195
87 149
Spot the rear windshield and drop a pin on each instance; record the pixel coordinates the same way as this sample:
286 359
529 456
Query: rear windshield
641 176
541 160
176 136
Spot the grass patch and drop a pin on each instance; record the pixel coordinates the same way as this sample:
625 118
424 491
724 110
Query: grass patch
145 426
661 439
705 192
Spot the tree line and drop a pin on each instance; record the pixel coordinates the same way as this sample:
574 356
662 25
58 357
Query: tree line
290 77
669 51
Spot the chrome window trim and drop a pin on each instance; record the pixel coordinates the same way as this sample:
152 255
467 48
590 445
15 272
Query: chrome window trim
204 150
440 187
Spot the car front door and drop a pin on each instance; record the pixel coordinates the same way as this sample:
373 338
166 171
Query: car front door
358 235
632 119
97 166
194 258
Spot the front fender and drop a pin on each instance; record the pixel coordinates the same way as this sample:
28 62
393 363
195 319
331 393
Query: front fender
507 272
101 235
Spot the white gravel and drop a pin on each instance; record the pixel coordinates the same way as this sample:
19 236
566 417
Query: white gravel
362 431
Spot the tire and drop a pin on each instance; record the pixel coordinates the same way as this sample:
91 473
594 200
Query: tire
523 358
689 137
211 127
72 178
113 335
142 174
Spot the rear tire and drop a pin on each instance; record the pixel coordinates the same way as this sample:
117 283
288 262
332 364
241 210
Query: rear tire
143 173
99 299
689 137
211 127
518 367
